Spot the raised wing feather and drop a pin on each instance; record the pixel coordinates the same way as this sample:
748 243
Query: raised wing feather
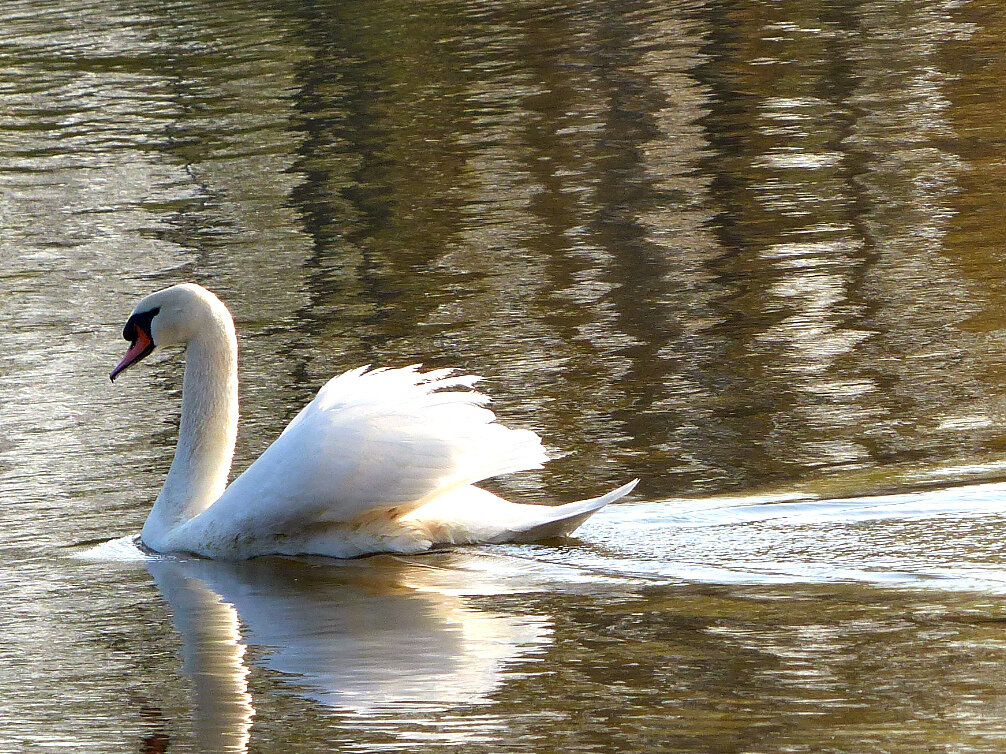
373 440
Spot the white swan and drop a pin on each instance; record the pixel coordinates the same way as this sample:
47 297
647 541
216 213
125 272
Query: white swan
382 460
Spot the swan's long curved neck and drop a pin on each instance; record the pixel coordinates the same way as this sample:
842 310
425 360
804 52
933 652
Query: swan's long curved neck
206 434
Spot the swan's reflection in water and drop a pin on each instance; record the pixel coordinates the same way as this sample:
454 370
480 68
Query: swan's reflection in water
213 654
374 637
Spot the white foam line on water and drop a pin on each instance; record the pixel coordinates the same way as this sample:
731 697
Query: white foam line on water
792 509
663 542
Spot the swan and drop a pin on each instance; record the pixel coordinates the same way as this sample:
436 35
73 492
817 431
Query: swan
382 460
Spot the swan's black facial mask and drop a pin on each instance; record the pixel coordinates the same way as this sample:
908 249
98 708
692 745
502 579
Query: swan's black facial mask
141 342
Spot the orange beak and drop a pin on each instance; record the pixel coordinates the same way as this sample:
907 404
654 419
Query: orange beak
138 350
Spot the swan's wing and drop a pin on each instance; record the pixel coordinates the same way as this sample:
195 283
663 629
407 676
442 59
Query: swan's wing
373 440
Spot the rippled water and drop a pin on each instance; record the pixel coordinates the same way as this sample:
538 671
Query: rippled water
748 252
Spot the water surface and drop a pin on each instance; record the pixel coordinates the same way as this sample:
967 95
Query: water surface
750 253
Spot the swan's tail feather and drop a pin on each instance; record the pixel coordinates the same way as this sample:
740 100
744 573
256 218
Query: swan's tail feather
561 520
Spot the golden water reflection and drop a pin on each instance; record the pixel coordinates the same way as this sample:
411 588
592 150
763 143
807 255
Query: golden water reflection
730 247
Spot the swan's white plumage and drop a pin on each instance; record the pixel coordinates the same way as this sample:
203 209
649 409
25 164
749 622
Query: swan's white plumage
380 460
370 442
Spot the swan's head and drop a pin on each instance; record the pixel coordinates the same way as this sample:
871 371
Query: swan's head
173 316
